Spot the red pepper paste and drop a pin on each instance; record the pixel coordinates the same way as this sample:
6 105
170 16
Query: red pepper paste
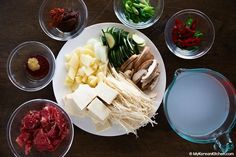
185 34
43 130
65 20
43 69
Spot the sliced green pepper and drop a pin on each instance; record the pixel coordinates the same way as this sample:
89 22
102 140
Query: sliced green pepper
198 34
189 22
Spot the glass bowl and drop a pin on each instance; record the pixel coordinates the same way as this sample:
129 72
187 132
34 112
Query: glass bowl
55 33
204 24
17 66
119 11
14 125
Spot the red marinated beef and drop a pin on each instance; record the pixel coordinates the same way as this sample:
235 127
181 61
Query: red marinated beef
43 130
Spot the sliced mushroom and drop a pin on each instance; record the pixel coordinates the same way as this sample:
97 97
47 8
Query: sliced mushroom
131 65
154 83
145 55
145 65
151 69
129 73
149 81
138 75
128 64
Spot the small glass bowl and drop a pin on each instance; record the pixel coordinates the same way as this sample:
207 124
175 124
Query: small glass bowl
55 33
17 62
119 11
204 24
14 125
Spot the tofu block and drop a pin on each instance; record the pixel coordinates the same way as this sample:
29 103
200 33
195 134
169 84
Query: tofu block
71 108
94 118
105 92
97 108
83 95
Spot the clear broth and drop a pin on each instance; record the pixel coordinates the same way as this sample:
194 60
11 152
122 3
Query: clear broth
197 104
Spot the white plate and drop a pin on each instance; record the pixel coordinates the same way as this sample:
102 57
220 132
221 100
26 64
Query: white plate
61 90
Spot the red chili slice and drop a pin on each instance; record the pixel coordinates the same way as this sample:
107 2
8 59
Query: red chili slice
194 25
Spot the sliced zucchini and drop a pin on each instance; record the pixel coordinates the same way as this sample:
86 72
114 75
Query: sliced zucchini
125 52
113 58
110 40
119 57
103 39
137 39
131 46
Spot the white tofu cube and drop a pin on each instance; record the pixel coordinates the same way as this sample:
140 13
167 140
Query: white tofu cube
100 110
71 108
83 95
105 92
94 118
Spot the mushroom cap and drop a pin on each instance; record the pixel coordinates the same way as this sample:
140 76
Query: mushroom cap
151 79
128 64
138 75
145 65
129 73
145 55
151 69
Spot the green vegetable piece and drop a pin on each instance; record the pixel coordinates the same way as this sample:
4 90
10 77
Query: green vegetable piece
198 34
110 39
103 38
145 2
135 11
148 8
139 5
137 39
189 22
128 8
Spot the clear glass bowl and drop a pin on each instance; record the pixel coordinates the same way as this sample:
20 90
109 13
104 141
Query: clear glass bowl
119 11
14 124
54 33
16 66
204 24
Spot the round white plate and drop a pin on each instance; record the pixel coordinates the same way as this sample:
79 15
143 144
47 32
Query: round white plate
61 90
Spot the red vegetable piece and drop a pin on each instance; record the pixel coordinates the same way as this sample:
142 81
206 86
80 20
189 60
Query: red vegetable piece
188 33
179 24
190 42
194 25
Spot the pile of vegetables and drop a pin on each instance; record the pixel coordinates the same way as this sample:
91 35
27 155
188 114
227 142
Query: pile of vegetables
185 34
121 45
138 10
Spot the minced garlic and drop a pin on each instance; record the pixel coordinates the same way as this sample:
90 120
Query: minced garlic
33 64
